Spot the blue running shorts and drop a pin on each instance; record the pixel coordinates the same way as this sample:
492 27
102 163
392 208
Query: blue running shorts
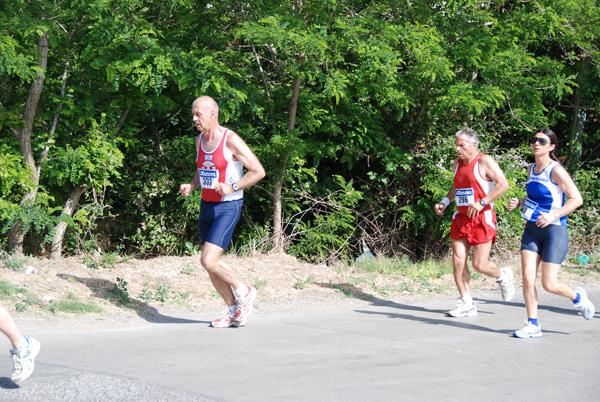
217 221
551 242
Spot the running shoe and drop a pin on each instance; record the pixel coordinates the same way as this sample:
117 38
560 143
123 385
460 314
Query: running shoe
585 305
23 360
245 305
226 320
529 331
463 310
507 285
240 323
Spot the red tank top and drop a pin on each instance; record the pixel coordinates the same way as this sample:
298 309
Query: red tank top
214 167
469 185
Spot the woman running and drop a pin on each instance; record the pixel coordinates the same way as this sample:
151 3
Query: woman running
545 238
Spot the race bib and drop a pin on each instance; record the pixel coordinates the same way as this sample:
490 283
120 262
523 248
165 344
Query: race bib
464 197
208 178
528 209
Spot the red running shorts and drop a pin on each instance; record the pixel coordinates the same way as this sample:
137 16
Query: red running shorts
478 230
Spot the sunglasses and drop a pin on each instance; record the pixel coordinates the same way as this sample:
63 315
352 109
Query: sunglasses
541 140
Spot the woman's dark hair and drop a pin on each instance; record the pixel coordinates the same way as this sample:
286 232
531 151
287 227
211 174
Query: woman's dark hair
553 140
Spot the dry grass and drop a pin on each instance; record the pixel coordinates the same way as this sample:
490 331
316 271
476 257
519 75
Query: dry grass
279 278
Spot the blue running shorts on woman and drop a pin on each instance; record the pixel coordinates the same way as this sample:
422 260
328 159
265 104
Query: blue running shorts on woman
551 242
217 221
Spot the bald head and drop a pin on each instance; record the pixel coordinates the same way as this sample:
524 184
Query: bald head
207 103
205 114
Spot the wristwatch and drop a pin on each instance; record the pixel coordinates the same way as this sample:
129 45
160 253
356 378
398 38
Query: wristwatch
483 202
235 187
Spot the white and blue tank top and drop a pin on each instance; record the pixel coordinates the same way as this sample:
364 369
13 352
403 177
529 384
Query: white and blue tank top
543 195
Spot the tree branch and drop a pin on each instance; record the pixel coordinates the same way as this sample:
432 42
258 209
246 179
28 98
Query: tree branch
264 80
63 90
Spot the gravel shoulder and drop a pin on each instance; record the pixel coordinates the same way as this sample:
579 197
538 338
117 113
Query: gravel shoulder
283 283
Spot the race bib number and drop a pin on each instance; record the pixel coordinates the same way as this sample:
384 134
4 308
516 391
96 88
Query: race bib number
464 197
208 178
528 209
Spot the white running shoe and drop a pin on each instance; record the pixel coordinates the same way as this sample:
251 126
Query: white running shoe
245 305
507 285
585 305
23 360
240 323
463 310
529 331
226 320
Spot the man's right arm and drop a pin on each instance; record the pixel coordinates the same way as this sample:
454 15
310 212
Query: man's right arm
441 206
188 188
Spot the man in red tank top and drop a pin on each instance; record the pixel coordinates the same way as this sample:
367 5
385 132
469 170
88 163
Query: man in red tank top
221 154
478 182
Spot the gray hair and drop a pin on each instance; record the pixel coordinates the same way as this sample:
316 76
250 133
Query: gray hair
471 135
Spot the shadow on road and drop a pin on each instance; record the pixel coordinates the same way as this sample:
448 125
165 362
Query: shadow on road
352 291
6 383
102 287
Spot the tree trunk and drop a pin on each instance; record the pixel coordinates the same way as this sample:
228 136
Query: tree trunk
579 118
59 230
277 216
295 96
278 184
15 237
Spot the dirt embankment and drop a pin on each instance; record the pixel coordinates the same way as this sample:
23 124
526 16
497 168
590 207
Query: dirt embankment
167 287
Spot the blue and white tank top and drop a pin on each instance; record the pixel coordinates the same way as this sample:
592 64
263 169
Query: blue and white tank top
543 195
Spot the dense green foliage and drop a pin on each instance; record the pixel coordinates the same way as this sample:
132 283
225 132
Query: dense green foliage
383 87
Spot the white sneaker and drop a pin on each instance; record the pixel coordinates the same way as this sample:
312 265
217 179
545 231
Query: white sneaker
463 310
585 305
226 320
240 323
245 305
507 285
529 331
23 360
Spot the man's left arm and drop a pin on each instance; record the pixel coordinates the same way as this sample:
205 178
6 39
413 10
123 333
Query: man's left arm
254 169
490 170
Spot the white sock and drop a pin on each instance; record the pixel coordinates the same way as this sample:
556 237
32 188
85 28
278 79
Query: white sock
26 344
468 300
241 291
232 309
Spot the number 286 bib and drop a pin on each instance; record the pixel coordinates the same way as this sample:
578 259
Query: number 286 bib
464 197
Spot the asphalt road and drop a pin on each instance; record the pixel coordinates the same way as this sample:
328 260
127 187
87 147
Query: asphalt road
375 352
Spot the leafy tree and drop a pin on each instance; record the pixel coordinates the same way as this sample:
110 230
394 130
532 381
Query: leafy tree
351 106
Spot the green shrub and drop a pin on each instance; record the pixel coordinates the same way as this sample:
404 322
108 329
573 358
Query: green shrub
14 261
8 290
72 304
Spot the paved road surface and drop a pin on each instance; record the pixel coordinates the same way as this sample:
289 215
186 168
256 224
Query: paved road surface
397 352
